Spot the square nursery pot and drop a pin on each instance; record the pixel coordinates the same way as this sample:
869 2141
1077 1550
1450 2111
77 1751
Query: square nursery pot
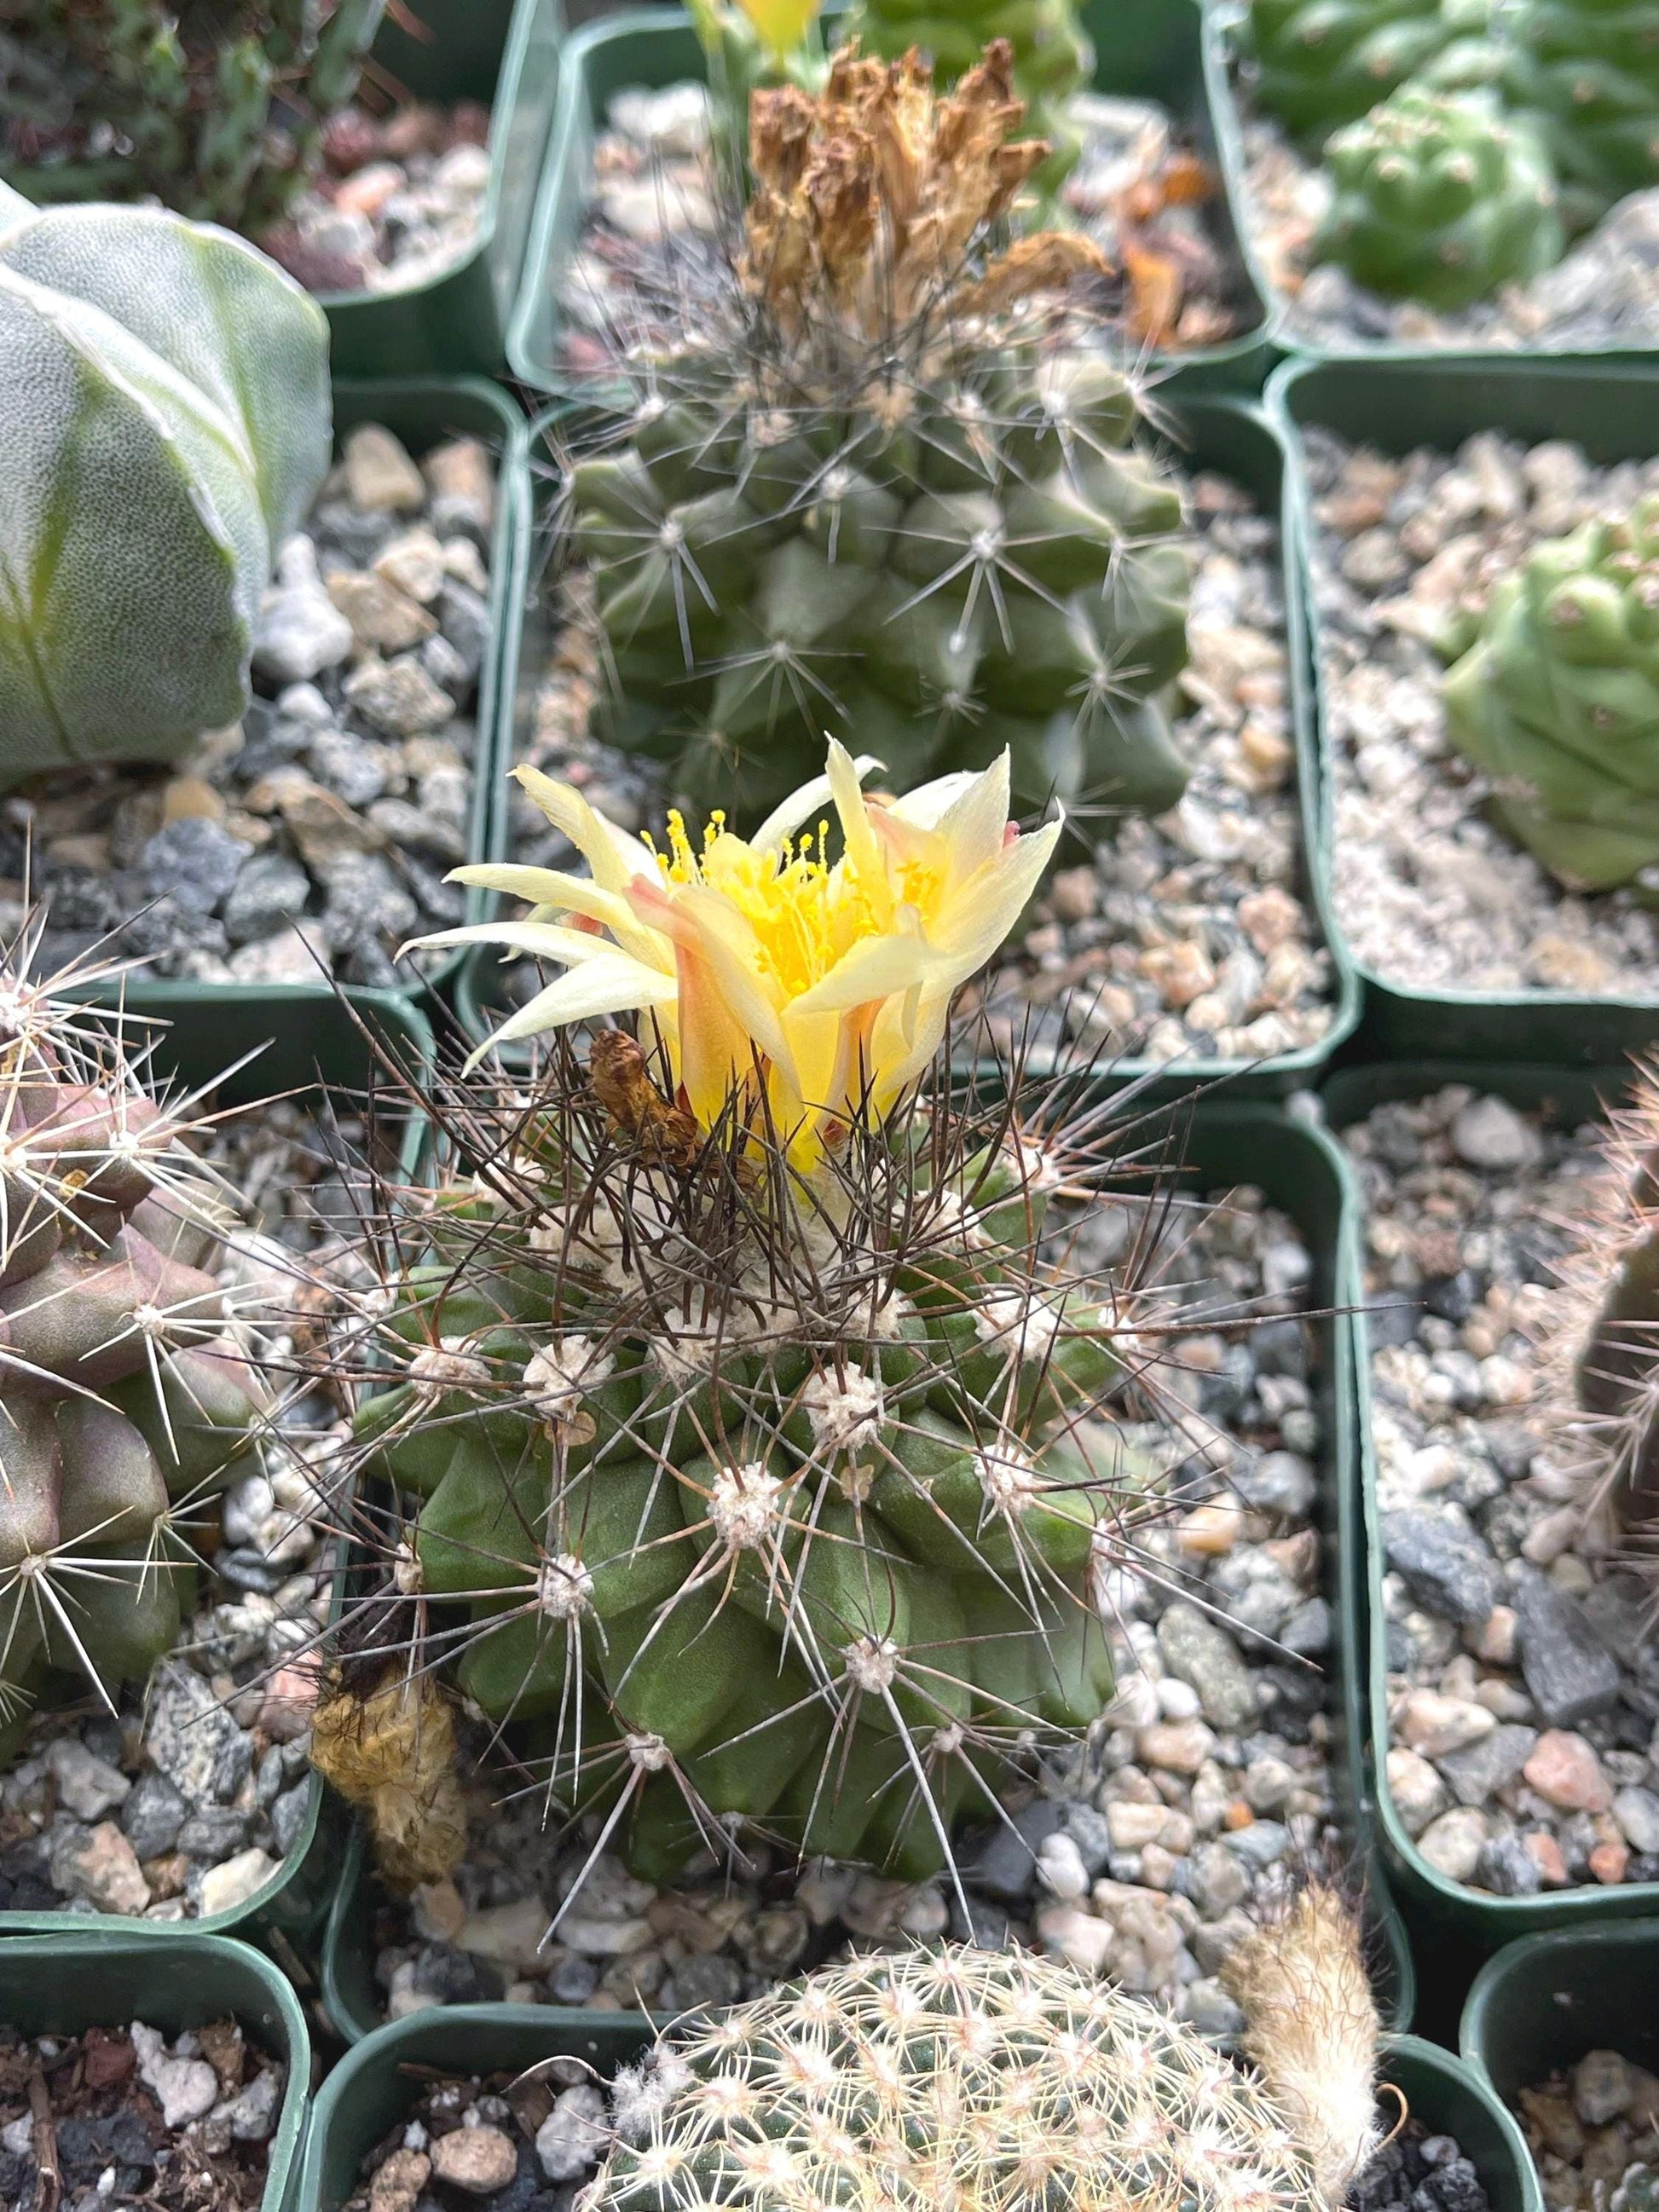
1152 51
1540 2005
368 2093
1439 400
1454 1927
101 1976
1209 431
504 53
422 411
1214 1144
293 1040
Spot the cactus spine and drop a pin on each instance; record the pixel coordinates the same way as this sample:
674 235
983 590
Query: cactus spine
1440 196
165 390
1557 701
1053 57
956 2078
217 112
866 502
122 1405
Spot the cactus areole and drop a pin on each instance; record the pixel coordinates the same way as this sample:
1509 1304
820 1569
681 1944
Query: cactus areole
165 394
882 494
764 1458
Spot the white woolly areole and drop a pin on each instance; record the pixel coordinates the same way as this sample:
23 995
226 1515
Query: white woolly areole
449 1364
564 1589
406 1569
845 1409
648 1753
1007 1478
557 1378
1024 1328
872 1662
743 1506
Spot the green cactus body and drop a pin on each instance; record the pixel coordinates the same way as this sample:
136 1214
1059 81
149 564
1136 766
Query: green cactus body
1053 57
818 1559
125 1408
1557 701
1588 72
166 393
1003 567
1321 63
956 2077
217 111
1441 198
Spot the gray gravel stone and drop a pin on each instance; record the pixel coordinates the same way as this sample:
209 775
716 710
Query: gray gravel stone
195 862
153 1814
1569 1673
1447 1567
1199 1651
269 891
192 1739
1481 1770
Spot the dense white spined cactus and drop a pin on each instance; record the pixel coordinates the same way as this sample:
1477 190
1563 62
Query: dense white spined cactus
164 421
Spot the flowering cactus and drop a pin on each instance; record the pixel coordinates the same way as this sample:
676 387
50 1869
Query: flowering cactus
759 1450
165 390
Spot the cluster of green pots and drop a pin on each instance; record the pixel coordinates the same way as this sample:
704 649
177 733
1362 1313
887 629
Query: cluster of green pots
1556 1967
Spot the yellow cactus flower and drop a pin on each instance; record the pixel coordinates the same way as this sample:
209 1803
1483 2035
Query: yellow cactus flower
782 24
761 962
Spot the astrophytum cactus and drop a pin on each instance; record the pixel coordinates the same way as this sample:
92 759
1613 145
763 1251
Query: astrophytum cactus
165 392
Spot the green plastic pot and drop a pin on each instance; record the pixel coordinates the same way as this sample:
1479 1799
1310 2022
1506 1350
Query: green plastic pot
1152 51
506 54
1233 436
368 2093
1454 1927
423 412
304 1040
1438 400
100 1976
1220 1143
1540 2005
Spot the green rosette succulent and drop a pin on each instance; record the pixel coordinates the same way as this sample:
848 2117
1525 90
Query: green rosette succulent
1588 72
166 396
1441 198
217 109
1320 64
1557 701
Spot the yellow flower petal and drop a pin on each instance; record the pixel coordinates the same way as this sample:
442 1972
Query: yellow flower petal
782 23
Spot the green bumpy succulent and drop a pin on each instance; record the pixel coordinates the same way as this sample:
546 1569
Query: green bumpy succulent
1441 198
217 111
740 1504
1321 63
1003 567
123 1406
1557 701
1588 72
165 397
1053 57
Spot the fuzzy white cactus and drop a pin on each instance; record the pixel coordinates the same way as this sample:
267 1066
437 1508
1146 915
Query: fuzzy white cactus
165 402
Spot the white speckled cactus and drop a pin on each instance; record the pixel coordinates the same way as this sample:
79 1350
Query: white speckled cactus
164 390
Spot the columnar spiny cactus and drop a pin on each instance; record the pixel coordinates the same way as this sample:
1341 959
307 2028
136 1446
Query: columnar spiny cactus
973 2078
1323 62
1441 198
874 500
1558 701
216 110
1053 57
1588 72
165 394
122 1405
